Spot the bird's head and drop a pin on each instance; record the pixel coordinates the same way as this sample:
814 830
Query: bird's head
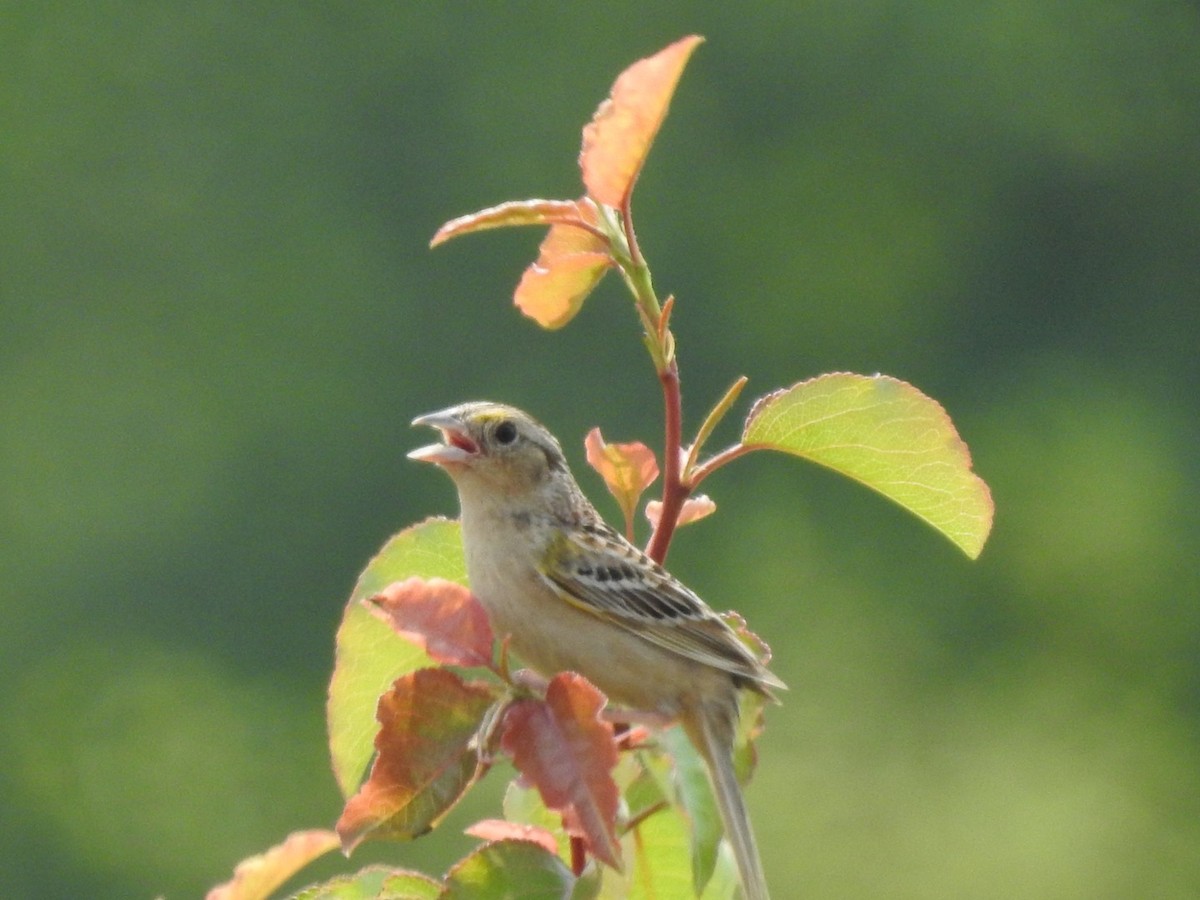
492 444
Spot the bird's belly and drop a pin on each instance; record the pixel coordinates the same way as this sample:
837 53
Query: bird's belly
551 636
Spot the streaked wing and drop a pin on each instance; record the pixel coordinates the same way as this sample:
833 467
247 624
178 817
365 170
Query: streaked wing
600 572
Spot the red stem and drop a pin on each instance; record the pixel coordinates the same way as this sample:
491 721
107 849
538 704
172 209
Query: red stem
674 491
729 454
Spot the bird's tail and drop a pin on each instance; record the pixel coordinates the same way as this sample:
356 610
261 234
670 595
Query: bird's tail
711 730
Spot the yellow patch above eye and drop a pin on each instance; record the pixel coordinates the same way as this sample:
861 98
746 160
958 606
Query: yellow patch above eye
492 415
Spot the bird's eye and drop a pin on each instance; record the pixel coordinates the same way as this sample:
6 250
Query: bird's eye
506 432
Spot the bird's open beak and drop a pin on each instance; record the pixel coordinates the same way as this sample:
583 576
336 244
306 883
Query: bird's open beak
457 448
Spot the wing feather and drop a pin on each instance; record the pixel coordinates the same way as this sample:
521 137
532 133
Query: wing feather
598 571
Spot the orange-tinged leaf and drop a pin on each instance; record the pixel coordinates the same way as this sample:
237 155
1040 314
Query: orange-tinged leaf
693 510
563 747
502 830
513 213
627 469
552 292
255 878
370 655
442 617
425 756
571 261
617 140
888 435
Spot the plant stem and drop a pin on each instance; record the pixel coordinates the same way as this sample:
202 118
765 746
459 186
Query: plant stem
635 252
661 344
710 465
674 491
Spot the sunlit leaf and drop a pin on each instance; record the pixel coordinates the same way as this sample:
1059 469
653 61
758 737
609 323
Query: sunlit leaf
694 794
370 656
520 870
410 886
723 884
627 469
503 830
571 261
617 140
442 617
563 747
513 213
255 878
425 757
368 884
693 510
886 434
661 863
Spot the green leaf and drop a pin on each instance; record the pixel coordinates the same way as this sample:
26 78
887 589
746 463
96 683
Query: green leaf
723 884
370 656
507 870
661 863
888 435
410 886
695 796
365 884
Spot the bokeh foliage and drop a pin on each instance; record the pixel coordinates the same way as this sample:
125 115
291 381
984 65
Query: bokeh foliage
217 315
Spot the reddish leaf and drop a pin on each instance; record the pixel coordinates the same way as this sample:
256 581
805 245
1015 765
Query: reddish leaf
694 509
501 830
563 747
512 213
441 617
616 141
571 261
425 758
627 469
257 877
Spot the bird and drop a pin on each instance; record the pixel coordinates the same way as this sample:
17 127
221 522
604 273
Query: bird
571 594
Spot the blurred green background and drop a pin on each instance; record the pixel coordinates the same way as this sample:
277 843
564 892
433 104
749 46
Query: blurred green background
218 315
